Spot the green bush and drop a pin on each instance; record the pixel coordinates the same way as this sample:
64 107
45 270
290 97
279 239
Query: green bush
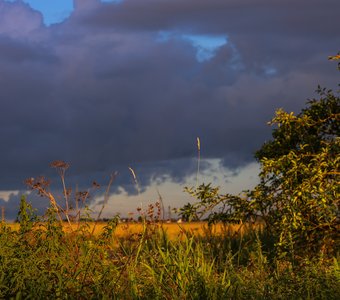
298 196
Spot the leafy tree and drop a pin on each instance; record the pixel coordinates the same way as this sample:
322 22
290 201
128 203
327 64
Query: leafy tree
299 192
298 195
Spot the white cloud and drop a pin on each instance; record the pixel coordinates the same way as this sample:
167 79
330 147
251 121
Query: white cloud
5 195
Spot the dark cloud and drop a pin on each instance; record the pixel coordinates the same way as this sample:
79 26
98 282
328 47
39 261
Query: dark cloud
19 52
284 18
103 91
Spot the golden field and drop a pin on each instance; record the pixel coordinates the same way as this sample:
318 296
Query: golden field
173 230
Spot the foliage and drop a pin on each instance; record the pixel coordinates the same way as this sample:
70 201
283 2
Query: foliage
26 215
299 192
335 57
216 207
49 263
298 196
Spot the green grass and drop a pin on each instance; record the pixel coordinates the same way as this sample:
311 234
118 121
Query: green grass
49 263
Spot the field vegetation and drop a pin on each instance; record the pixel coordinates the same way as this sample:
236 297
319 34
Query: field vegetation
173 230
45 260
277 241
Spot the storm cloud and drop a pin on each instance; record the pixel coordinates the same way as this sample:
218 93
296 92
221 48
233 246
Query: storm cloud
120 84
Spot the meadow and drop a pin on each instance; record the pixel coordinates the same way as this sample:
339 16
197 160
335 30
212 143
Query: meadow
173 230
154 260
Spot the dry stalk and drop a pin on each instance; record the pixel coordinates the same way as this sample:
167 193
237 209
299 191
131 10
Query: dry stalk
106 199
135 179
198 159
160 198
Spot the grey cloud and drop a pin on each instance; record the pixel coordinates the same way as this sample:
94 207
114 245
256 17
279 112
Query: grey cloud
18 20
218 16
102 92
20 52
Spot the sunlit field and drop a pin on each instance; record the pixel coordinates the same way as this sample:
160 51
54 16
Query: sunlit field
173 230
154 260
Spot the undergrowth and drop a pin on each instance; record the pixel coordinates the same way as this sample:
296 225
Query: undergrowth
43 261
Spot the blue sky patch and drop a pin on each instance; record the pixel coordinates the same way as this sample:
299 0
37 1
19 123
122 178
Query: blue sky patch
205 45
55 11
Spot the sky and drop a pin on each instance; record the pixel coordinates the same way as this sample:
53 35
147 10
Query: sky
108 85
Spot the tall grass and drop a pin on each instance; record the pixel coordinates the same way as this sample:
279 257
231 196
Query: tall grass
45 262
